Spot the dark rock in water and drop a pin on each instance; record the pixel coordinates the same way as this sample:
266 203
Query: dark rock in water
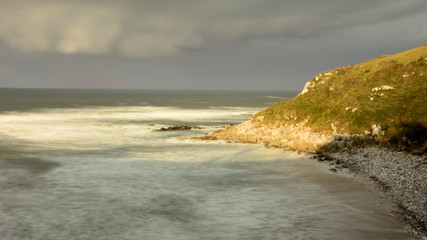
333 170
177 128
208 137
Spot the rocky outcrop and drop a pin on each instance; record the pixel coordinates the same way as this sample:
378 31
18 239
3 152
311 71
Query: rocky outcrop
289 137
297 137
177 128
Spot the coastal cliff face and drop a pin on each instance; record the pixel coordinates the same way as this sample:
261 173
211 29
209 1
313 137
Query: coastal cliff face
297 138
381 99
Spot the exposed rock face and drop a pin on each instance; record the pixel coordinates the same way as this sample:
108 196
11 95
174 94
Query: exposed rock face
295 137
289 137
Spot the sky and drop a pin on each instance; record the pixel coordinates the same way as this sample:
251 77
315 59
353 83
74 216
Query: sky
197 44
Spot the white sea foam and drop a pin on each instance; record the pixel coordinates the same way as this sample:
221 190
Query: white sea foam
90 128
275 97
134 113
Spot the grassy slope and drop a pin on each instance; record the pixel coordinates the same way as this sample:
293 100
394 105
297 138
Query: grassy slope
350 88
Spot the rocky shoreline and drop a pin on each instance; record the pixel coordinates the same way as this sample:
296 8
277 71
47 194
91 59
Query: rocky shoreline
401 176
298 137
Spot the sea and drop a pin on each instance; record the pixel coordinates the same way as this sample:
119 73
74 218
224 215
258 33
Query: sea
89 164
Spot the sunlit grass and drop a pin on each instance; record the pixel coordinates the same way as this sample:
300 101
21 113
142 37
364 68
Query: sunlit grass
389 91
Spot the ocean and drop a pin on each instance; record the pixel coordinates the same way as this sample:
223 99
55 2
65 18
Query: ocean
89 164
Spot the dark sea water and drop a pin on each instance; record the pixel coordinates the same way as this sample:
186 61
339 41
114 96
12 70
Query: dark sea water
87 164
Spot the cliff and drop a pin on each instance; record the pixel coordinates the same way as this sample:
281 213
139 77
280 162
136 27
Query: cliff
384 99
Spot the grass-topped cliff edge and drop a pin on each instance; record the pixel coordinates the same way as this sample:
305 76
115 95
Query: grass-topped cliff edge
384 97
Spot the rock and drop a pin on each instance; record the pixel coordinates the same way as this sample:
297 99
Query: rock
174 128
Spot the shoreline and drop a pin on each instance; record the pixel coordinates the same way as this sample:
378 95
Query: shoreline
401 177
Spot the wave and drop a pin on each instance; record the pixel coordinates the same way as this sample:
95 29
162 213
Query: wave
103 127
275 97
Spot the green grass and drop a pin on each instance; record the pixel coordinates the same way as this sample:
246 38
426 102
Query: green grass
351 88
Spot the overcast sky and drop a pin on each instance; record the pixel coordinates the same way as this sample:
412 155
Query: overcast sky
197 44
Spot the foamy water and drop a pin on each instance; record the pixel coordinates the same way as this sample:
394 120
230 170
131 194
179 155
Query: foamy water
109 126
102 172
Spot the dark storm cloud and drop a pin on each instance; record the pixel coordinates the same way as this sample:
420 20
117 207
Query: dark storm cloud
147 29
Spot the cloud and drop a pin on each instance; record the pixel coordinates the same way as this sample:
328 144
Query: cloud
156 28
